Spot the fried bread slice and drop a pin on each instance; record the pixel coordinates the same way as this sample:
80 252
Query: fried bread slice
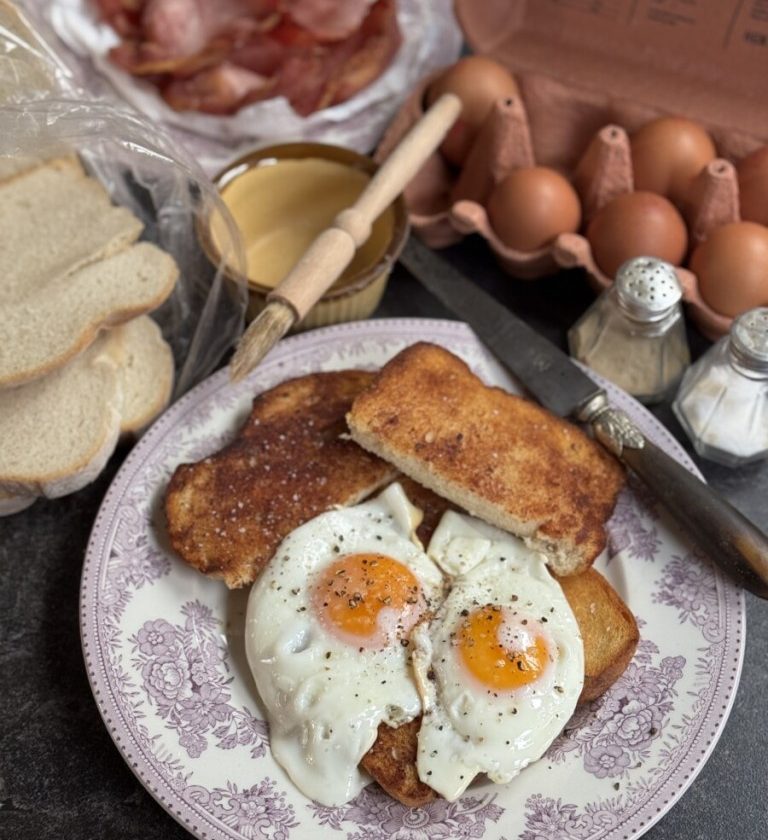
610 635
392 763
500 457
228 513
608 630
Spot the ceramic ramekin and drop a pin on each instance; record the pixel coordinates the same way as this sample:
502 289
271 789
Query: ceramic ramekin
359 294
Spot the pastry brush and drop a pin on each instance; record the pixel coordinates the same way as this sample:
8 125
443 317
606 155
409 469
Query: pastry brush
332 251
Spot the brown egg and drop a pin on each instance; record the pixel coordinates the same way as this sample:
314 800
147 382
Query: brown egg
637 224
530 207
667 154
753 186
732 267
478 82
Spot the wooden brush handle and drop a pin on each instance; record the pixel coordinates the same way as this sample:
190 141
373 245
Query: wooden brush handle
332 251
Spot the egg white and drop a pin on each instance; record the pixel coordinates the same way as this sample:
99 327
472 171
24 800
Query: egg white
467 728
325 698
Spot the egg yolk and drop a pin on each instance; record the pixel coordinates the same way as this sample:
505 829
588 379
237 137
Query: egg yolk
366 599
500 666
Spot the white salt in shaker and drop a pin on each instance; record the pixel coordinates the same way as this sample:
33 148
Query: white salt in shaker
723 399
634 333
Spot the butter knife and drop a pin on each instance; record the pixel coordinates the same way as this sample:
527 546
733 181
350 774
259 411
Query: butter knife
727 537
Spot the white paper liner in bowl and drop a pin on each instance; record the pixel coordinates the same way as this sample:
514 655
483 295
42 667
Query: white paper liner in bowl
431 39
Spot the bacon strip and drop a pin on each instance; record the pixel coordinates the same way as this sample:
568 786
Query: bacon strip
124 16
327 20
216 56
219 90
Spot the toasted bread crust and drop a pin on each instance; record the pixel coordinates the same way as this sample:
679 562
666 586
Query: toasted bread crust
498 456
228 513
608 629
392 762
610 635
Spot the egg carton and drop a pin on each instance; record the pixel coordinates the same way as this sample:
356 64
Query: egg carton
564 118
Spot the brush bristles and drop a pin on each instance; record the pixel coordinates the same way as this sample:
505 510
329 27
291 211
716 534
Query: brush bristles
272 323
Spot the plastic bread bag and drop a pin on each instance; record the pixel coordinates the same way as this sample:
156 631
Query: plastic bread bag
143 172
45 115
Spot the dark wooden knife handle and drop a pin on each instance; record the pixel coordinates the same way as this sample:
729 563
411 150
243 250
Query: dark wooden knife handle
727 537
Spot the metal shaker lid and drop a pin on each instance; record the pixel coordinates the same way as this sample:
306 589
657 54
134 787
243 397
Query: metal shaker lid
647 288
749 338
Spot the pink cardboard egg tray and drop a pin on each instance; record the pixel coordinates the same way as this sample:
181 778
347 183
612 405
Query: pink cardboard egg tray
563 55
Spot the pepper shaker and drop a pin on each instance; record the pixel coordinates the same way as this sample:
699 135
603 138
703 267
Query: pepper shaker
634 333
723 399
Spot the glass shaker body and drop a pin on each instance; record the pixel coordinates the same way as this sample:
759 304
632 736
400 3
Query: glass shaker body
644 350
722 403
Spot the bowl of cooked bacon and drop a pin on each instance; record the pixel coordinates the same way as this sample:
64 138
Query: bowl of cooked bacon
308 65
217 57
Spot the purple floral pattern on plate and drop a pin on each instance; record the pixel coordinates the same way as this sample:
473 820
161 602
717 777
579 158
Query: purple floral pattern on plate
632 528
163 648
185 676
254 812
617 730
633 714
378 817
552 819
689 585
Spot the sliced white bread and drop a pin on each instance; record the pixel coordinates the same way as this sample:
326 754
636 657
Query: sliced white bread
57 433
11 503
53 220
135 363
42 331
13 166
147 374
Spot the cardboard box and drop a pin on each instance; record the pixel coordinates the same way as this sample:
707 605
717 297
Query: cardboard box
592 71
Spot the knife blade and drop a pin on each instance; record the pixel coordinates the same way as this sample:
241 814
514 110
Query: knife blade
720 531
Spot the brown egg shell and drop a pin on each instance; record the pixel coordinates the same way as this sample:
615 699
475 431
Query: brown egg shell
478 81
732 267
667 155
531 206
471 217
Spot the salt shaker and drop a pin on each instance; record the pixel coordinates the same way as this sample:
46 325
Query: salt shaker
723 399
634 333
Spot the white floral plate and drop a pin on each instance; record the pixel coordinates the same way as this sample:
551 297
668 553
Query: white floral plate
164 650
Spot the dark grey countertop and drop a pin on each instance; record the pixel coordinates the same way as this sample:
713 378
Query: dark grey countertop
61 776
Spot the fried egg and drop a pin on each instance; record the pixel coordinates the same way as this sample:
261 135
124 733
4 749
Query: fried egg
327 639
501 666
